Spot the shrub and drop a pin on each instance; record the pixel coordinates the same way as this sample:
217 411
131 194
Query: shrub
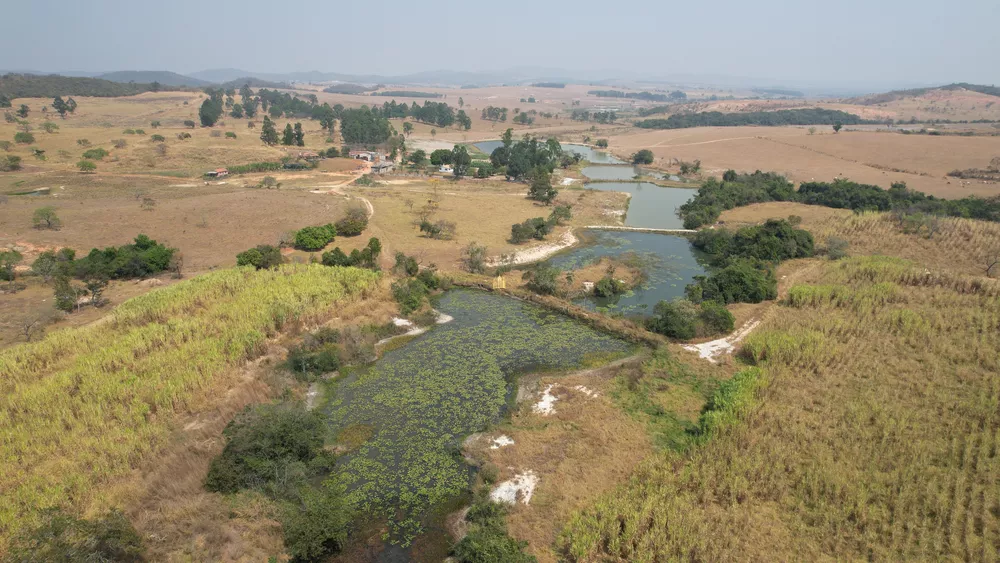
543 279
62 537
561 213
264 443
684 320
318 523
184 135
644 156
836 248
410 294
10 163
474 258
49 127
154 124
189 124
119 143
364 258
157 138
332 152
262 257
230 135
215 134
609 287
353 223
405 265
140 259
86 166
305 361
23 138
128 132
440 230
488 540
536 228
602 143
740 282
315 238
95 154
83 142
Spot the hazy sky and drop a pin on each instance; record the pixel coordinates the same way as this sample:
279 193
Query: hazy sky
784 41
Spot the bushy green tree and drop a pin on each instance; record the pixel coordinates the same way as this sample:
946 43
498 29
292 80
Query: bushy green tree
315 238
541 186
354 222
288 137
210 112
24 138
543 279
262 257
317 522
263 443
441 156
460 161
300 136
46 218
268 134
644 156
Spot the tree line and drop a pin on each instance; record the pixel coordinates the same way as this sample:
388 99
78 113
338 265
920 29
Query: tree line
808 116
598 116
737 190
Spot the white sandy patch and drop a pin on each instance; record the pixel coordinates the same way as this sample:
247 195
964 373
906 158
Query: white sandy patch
547 404
414 330
538 253
715 348
587 391
312 396
428 145
521 486
501 441
443 318
567 182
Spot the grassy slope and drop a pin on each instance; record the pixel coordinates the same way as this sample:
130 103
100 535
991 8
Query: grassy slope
875 436
85 406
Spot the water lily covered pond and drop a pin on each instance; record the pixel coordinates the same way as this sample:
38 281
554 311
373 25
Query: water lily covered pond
408 414
670 263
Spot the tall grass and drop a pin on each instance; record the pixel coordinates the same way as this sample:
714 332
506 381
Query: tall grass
84 406
876 436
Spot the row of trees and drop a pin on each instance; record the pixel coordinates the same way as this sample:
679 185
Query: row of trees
491 113
432 113
736 190
807 116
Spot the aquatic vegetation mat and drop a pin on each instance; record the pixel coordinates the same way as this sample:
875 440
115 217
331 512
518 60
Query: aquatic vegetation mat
423 399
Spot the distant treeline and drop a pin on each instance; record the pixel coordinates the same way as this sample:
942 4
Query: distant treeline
350 89
598 116
50 86
779 92
432 113
643 112
648 96
549 85
408 94
811 116
737 190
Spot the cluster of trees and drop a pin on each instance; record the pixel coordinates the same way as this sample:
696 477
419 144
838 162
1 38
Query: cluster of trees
684 320
261 257
521 158
364 127
539 227
736 190
745 261
432 113
64 106
643 156
409 94
411 292
277 449
523 119
367 257
277 103
350 89
549 85
492 113
808 116
598 116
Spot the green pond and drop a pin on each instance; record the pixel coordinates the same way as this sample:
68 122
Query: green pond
651 206
420 401
670 263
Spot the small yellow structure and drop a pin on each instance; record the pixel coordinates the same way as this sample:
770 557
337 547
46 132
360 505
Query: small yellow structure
499 283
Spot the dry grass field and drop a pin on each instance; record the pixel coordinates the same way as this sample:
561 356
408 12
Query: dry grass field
869 157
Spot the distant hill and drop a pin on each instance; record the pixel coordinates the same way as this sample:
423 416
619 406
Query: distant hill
50 86
164 77
886 97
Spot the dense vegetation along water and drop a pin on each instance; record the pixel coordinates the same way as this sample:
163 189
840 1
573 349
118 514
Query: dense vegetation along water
588 153
413 408
651 206
669 261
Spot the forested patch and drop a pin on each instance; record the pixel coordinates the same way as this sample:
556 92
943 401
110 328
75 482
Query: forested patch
810 116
